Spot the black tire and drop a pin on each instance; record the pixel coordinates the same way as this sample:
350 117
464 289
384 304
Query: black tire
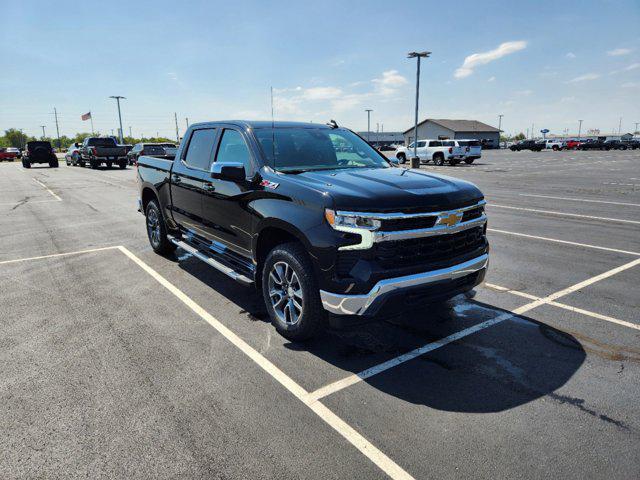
122 164
66 159
438 159
469 161
53 163
94 164
25 163
109 164
555 148
312 315
402 158
157 229
453 162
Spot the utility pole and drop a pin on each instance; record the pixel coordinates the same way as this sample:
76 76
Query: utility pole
532 134
130 135
500 122
43 134
175 117
415 162
620 127
187 120
118 97
579 128
635 130
368 110
55 112
377 133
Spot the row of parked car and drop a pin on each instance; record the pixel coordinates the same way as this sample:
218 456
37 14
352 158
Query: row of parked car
96 151
440 152
574 144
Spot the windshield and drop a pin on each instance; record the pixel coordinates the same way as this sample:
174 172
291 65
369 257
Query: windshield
102 142
38 144
303 149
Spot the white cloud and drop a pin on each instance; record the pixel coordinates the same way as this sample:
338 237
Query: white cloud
567 99
585 77
628 68
524 93
491 79
172 75
477 59
390 81
570 55
616 52
321 93
631 85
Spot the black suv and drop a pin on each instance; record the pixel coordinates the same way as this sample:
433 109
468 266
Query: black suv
532 145
315 226
39 152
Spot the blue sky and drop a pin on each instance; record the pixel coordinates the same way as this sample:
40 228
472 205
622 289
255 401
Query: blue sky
546 63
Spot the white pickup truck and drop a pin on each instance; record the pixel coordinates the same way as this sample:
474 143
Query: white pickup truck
428 150
472 149
553 144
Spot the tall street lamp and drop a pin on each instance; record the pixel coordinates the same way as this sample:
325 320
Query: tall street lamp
579 129
368 110
118 97
415 162
499 128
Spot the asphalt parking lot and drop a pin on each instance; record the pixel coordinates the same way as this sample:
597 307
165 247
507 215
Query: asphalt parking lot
117 362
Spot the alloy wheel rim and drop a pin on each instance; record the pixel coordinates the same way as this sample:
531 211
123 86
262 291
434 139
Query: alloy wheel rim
153 227
285 293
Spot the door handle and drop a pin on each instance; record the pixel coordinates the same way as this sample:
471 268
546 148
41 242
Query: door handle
175 179
209 187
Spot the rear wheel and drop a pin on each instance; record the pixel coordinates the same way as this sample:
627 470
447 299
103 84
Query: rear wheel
93 163
109 164
157 229
53 163
122 164
402 158
469 161
291 293
453 161
555 148
438 159
25 163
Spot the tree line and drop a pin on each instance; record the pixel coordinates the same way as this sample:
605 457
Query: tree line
15 138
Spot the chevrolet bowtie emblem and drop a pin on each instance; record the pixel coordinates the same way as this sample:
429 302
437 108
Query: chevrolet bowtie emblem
449 219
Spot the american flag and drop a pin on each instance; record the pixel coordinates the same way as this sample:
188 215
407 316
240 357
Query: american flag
86 116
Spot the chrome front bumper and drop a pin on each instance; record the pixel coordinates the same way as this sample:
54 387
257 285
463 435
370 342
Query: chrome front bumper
341 304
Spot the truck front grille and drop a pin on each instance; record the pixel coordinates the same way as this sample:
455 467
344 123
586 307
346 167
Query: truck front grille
424 252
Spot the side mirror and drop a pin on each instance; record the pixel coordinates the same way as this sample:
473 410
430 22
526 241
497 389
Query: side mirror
234 172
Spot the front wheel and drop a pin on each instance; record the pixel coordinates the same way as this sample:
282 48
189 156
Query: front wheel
291 293
157 230
122 164
94 164
25 163
438 159
469 161
109 164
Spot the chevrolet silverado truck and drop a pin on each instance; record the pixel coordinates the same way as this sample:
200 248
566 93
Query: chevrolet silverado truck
317 228
102 150
428 150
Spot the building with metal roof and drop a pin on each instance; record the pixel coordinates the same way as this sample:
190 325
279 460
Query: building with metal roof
455 129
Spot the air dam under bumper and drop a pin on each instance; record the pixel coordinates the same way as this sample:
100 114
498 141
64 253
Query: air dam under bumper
341 304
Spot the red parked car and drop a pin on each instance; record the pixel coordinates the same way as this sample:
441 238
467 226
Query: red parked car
9 154
570 144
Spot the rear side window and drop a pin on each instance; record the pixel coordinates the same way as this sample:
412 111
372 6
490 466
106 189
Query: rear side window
435 144
449 143
233 149
200 151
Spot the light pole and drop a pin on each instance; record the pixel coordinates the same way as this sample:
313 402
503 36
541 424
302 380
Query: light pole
635 130
579 128
415 162
44 135
118 97
499 128
368 110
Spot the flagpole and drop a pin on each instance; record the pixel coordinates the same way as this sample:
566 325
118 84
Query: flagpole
91 117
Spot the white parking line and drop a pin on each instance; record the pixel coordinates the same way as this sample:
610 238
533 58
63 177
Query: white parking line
565 214
370 372
381 460
47 189
580 200
564 306
53 255
28 201
566 242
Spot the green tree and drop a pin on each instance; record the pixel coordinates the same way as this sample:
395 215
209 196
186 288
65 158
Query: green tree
15 138
519 136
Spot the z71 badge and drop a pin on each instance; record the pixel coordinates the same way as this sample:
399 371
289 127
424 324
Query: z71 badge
268 184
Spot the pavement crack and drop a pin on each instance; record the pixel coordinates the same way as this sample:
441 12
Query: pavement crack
579 403
20 203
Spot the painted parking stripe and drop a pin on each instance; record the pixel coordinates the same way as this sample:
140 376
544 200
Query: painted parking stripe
565 242
580 200
564 306
47 189
381 460
394 362
565 214
54 255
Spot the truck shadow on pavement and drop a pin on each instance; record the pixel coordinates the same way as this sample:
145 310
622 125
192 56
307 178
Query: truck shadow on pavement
495 369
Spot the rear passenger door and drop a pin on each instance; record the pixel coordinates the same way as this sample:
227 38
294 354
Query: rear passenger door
187 179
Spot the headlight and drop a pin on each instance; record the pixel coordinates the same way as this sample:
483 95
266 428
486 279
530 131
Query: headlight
339 221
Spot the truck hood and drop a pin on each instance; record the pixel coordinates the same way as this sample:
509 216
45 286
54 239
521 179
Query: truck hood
386 189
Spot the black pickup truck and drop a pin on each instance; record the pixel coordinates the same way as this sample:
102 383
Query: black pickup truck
98 150
315 227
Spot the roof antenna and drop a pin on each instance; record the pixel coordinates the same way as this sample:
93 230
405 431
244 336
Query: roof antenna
273 133
332 124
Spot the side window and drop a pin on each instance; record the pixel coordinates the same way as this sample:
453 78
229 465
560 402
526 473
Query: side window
435 144
200 151
421 144
233 149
